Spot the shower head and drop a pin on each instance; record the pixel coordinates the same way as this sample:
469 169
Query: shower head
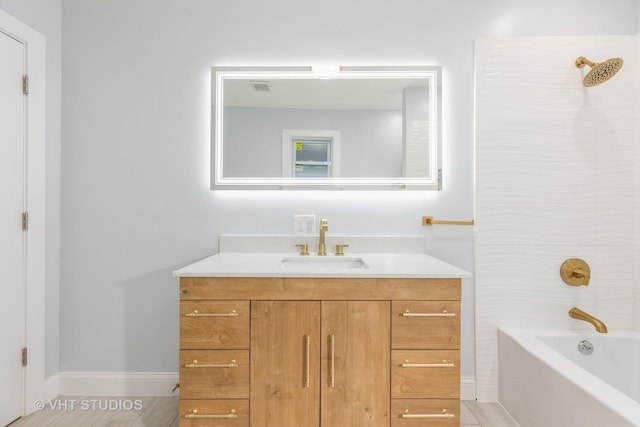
600 72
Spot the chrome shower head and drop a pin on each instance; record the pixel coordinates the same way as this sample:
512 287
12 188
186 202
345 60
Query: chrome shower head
600 72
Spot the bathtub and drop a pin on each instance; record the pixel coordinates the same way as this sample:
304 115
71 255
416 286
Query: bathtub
544 380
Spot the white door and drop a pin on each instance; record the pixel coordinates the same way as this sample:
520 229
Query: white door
12 240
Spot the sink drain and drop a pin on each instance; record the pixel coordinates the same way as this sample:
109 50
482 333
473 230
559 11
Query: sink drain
585 347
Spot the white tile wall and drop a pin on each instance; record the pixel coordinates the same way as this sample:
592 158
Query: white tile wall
637 203
555 177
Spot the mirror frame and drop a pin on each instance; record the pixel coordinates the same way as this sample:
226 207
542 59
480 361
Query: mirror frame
433 74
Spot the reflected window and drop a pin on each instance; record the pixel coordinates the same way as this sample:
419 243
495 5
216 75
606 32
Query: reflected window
310 153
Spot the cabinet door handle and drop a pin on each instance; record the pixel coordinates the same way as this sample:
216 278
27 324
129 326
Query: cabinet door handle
444 313
194 414
195 364
307 353
444 364
195 313
444 414
332 360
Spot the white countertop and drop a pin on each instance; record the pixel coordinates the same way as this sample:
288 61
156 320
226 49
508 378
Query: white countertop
269 264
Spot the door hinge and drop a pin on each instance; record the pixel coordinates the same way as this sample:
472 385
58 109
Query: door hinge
25 84
25 221
439 179
24 356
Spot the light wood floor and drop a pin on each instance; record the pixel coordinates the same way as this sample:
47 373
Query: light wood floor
476 414
85 411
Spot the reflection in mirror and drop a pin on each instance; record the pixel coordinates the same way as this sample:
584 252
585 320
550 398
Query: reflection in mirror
362 128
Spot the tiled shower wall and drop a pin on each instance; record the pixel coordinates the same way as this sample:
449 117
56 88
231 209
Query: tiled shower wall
636 310
555 179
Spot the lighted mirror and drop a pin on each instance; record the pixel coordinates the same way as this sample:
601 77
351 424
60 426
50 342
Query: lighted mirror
348 128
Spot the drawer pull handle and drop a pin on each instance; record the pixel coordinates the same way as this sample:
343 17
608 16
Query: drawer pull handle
194 414
332 360
444 364
444 414
195 313
195 364
407 313
307 368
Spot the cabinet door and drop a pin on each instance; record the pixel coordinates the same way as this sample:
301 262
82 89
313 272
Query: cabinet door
355 363
285 363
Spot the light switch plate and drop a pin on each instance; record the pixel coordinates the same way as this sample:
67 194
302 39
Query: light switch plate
304 225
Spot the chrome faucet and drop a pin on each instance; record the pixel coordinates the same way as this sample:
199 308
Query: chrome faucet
576 313
322 247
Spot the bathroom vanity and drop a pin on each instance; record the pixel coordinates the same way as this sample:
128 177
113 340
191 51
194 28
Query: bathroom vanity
365 340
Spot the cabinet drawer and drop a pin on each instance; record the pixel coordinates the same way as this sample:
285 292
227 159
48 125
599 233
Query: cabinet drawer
425 374
425 412
214 324
214 413
425 325
214 374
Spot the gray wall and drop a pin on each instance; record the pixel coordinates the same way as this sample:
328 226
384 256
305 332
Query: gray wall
135 131
370 140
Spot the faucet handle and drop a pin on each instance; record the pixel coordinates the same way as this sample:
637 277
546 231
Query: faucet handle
304 249
340 249
575 272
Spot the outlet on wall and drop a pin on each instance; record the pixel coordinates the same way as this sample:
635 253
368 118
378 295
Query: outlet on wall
304 225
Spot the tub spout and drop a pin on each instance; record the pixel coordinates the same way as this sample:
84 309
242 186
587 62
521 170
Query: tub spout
576 313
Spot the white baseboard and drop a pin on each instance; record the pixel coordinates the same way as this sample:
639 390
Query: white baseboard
147 384
111 384
52 387
467 388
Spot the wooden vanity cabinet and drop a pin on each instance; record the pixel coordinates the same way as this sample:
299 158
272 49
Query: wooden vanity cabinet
319 352
320 360
285 361
355 363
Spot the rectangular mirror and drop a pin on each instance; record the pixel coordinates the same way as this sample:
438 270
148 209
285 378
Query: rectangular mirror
312 127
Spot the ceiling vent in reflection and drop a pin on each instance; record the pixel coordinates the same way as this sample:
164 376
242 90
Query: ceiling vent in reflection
260 85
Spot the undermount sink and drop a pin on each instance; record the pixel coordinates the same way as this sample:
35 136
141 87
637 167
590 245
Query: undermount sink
322 262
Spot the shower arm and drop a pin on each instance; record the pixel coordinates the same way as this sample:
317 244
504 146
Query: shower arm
582 61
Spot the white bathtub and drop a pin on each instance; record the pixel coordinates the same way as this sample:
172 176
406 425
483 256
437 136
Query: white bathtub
544 381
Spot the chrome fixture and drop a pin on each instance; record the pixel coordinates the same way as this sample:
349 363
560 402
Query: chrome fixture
585 347
575 272
322 247
576 313
600 72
